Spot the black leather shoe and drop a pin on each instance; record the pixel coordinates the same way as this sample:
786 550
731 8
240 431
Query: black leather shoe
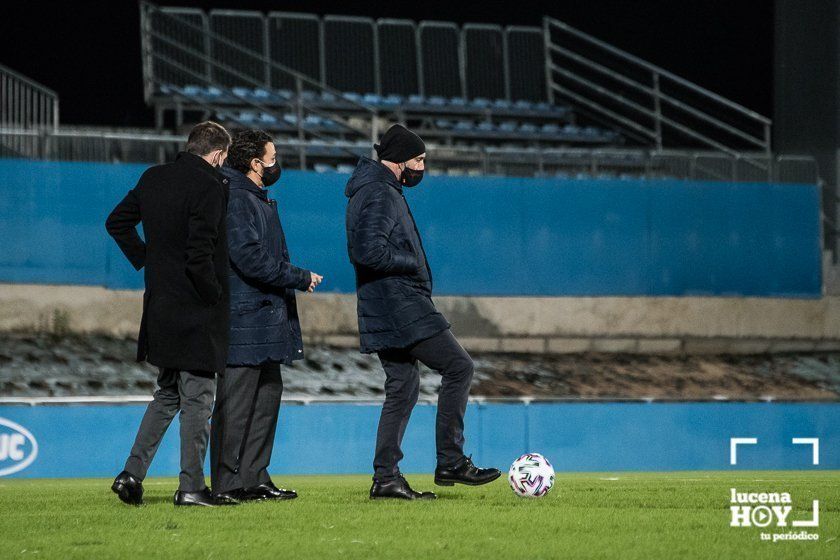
232 497
268 491
201 498
465 472
128 488
397 488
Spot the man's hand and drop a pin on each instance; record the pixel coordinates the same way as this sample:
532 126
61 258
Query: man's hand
314 281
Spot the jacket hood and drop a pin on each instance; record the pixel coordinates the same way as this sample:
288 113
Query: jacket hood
369 171
238 180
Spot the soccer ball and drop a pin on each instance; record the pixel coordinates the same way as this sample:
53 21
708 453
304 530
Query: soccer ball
531 476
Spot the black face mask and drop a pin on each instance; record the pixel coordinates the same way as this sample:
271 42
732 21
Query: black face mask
411 177
271 174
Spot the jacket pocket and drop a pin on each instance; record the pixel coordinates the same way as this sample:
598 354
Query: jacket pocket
246 307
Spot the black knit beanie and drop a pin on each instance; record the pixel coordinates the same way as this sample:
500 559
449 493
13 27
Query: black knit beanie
399 144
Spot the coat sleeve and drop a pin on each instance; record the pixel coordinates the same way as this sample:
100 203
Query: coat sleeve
122 226
369 245
206 212
252 261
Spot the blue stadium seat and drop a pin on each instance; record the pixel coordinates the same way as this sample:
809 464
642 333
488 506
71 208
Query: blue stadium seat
263 94
436 101
265 118
443 123
508 126
392 100
247 117
457 102
313 121
323 168
502 104
480 102
416 99
194 91
372 99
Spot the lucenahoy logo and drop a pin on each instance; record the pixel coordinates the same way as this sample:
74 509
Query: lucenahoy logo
15 454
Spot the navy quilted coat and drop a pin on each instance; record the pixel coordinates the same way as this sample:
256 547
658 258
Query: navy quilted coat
393 278
264 322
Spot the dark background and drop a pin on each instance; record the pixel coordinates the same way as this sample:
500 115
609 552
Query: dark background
89 52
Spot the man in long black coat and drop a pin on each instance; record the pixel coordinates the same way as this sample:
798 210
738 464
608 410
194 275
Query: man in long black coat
184 328
264 326
399 321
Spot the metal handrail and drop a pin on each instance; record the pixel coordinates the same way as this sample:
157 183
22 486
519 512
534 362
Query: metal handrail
659 70
647 163
11 82
653 92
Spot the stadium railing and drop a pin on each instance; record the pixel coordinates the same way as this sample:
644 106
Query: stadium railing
235 65
107 145
178 46
645 101
25 104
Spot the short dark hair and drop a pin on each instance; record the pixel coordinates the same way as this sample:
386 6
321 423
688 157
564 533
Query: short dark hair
247 145
207 137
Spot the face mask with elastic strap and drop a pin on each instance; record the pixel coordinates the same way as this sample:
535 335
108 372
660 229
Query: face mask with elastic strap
410 177
271 173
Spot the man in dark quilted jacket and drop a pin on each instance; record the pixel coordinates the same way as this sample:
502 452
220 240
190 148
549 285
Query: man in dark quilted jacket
264 326
398 320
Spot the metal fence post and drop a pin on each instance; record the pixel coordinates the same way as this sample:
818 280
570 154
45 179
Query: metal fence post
549 90
299 118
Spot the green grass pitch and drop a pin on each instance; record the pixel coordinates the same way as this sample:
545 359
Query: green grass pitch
591 515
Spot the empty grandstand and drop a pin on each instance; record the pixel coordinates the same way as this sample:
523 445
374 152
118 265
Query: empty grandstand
546 101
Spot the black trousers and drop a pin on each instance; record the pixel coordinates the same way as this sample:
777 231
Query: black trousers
445 355
192 394
244 423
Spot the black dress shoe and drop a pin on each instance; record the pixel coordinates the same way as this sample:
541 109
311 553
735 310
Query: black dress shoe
268 491
201 498
232 497
128 488
397 488
465 472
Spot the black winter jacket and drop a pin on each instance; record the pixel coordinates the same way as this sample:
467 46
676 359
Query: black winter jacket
264 322
393 277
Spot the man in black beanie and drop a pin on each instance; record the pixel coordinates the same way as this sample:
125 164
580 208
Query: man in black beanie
398 320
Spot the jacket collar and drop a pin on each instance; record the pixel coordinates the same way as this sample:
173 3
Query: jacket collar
370 171
239 180
198 162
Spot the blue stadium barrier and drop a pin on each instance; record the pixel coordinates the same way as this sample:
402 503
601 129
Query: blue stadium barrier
483 236
94 440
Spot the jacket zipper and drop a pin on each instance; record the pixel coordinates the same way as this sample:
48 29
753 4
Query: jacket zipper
420 241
